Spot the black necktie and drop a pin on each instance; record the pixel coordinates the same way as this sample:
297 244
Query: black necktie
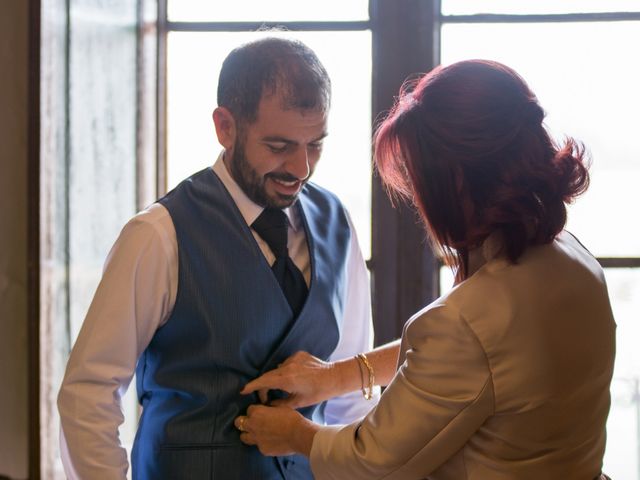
272 227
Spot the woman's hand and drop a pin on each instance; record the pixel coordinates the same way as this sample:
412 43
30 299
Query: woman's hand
307 379
276 430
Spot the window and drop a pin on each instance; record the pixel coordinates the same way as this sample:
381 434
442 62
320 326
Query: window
345 166
578 55
585 76
574 55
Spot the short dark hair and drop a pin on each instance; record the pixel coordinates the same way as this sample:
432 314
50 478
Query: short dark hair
268 66
474 130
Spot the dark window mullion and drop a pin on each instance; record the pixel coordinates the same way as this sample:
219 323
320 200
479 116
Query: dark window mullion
619 262
405 275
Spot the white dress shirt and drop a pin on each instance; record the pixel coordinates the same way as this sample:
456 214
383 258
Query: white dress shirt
135 297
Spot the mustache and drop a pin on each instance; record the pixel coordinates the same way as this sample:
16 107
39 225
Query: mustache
284 177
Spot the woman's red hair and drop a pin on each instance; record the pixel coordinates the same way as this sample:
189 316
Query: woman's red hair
472 134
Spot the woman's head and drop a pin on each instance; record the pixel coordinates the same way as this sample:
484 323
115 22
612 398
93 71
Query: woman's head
466 143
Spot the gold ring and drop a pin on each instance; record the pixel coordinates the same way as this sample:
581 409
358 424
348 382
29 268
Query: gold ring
241 426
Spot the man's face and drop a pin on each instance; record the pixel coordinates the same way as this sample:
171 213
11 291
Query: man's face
274 157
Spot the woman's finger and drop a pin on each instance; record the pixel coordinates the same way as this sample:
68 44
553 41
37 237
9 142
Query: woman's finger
252 409
263 395
291 402
241 423
252 386
267 381
247 438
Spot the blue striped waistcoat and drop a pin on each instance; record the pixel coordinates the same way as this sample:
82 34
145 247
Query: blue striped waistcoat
231 322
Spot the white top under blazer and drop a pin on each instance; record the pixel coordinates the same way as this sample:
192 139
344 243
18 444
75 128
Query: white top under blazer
505 377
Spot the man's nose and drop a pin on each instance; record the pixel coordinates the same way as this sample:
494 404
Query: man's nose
298 164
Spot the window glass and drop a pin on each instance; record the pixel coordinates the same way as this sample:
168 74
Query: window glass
261 11
587 80
622 458
470 7
194 61
446 279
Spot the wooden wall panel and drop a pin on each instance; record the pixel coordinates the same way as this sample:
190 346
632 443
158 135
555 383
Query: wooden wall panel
14 35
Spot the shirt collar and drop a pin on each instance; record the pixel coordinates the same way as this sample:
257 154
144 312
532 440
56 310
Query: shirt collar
249 210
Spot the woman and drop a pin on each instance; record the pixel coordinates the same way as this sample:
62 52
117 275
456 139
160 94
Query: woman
507 375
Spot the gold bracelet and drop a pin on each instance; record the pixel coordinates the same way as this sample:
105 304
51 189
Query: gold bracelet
367 391
360 369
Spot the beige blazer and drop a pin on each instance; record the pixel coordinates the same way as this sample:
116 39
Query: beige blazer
505 377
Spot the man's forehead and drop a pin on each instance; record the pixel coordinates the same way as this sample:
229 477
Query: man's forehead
272 115
280 101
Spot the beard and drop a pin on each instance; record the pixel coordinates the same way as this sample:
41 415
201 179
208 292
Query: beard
253 185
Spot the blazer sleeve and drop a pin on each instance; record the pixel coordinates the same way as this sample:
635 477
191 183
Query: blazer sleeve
439 397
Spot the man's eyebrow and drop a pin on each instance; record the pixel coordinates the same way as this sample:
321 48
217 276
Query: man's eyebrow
278 139
322 136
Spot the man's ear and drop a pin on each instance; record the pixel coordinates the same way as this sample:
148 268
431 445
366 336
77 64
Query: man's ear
226 128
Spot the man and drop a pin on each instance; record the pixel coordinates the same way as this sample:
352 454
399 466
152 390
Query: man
237 268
